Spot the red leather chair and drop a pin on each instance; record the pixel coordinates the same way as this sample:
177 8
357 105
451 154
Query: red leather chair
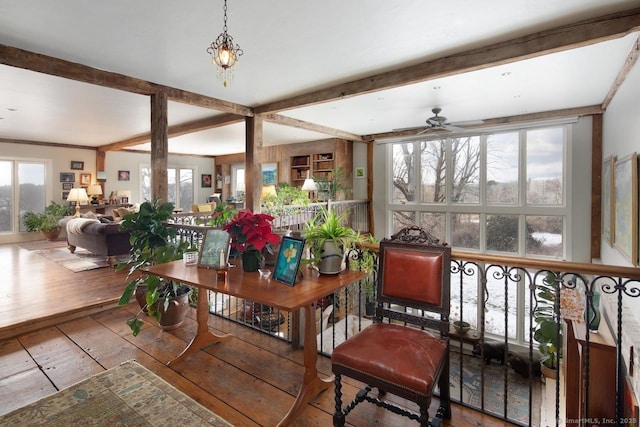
406 351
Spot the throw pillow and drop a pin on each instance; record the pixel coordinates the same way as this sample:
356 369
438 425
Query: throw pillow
89 214
205 207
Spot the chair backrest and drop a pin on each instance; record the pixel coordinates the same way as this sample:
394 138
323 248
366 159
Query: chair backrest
203 207
414 279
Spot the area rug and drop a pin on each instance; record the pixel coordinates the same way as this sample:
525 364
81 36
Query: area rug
517 388
127 395
80 260
37 245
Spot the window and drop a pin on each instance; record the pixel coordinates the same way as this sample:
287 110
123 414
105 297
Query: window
24 182
502 192
180 189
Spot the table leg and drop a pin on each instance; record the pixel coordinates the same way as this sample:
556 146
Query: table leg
203 337
312 384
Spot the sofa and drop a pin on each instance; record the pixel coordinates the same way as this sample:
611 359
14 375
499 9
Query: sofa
100 236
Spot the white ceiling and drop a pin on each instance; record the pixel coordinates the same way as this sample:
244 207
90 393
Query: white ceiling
291 47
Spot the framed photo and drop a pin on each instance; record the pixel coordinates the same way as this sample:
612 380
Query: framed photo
67 186
85 179
123 175
205 180
607 199
124 200
76 165
65 195
625 179
67 177
288 260
269 173
360 173
214 251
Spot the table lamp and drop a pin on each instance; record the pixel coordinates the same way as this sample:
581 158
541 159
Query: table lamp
94 191
310 186
77 195
268 191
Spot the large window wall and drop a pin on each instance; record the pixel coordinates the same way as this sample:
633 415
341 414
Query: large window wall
23 188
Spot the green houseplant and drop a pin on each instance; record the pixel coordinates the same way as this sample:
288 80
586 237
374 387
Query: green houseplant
329 239
152 243
546 332
48 221
250 235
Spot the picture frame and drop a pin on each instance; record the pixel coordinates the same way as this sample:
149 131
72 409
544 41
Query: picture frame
124 175
205 180
66 186
214 251
65 195
270 173
607 199
77 165
288 260
360 173
85 179
625 231
67 177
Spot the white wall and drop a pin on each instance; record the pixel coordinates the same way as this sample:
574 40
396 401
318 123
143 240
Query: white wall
360 161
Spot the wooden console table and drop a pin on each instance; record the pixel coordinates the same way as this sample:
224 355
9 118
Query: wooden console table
250 286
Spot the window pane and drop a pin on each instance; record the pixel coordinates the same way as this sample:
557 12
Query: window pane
502 168
172 194
145 180
434 223
502 233
432 161
545 160
186 189
6 196
464 283
465 231
403 219
404 174
544 236
466 170
31 181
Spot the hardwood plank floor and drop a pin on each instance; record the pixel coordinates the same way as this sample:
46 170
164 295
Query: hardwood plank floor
251 380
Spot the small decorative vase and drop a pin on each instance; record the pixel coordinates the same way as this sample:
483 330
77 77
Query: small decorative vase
594 313
251 261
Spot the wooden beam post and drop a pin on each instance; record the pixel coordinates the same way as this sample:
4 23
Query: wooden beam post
159 146
596 185
253 162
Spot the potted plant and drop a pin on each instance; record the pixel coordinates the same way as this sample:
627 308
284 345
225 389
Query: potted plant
250 235
222 214
366 259
48 221
329 240
547 333
152 243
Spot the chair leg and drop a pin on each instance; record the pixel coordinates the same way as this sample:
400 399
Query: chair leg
424 414
444 411
338 415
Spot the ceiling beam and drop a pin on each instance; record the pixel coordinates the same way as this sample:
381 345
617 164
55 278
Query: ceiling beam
177 130
498 121
24 59
622 75
557 39
301 124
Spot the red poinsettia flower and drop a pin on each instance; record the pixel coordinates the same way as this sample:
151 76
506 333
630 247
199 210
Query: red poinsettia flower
251 231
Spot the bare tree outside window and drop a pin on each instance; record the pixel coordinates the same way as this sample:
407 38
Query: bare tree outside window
502 168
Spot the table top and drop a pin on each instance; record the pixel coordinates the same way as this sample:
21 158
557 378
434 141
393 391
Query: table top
249 285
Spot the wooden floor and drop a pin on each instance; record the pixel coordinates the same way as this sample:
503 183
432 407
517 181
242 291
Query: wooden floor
49 343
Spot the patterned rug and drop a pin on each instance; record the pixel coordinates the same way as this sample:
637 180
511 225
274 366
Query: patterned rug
127 395
80 260
37 245
517 389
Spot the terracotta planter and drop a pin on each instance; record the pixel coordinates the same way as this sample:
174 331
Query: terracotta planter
141 297
51 234
548 372
176 312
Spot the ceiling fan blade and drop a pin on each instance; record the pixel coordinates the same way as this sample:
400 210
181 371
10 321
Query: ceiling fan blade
452 128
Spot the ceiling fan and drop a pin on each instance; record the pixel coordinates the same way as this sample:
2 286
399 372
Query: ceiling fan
438 122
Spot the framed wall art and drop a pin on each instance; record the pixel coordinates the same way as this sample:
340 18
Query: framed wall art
205 180
76 165
269 173
67 186
625 200
360 173
288 261
214 251
123 175
67 177
85 179
607 199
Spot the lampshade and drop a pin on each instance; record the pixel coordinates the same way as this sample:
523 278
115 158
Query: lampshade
309 185
94 190
268 190
77 195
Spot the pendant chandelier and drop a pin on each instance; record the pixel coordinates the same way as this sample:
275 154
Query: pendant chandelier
224 53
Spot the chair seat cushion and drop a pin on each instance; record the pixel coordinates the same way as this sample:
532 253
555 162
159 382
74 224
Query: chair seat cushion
405 357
